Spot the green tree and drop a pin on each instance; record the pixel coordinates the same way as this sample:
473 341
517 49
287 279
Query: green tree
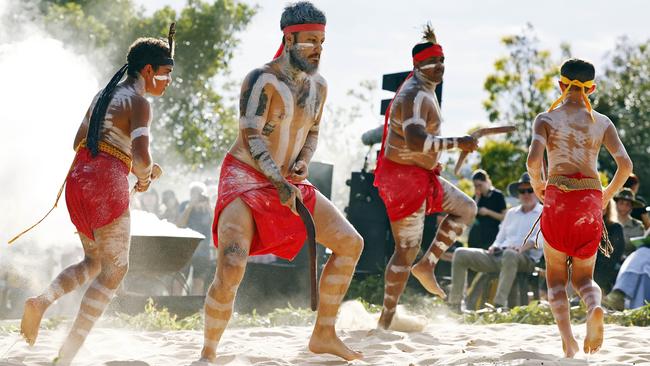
521 85
192 121
503 160
623 94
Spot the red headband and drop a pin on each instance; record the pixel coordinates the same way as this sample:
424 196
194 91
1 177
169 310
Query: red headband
298 28
434 50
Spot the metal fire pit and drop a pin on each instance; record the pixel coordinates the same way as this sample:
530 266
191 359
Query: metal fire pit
161 254
155 265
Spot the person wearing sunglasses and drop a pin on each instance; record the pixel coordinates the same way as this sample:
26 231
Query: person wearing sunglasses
508 254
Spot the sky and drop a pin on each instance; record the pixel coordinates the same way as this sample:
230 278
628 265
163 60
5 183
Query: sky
368 38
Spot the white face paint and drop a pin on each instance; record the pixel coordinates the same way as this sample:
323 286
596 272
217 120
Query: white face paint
429 66
162 78
304 45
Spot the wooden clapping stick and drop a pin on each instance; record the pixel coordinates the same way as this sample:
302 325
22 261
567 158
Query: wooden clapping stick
478 134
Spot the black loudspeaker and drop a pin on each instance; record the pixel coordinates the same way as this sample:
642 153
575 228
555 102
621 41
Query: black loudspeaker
367 213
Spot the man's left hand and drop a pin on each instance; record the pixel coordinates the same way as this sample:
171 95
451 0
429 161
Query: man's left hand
299 171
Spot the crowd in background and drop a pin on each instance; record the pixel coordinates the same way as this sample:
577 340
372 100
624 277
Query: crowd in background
505 242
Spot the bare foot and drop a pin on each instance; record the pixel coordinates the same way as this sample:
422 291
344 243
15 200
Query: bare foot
208 355
572 349
32 315
386 318
424 273
595 329
321 343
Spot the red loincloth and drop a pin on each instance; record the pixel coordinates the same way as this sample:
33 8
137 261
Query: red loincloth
96 191
405 187
278 230
572 221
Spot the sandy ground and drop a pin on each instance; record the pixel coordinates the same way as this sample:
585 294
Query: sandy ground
439 343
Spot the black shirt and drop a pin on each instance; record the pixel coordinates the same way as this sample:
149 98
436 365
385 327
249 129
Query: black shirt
485 228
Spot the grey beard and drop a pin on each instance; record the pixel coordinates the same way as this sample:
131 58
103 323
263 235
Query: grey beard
300 62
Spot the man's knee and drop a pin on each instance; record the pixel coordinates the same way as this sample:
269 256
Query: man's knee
509 255
352 245
113 274
406 254
467 211
93 266
461 255
233 264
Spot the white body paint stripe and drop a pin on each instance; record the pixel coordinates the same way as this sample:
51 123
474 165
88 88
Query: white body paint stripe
330 320
432 258
215 305
337 279
399 269
140 131
211 322
103 290
95 304
344 261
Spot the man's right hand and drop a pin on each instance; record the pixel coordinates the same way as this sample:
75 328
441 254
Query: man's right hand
288 195
142 185
467 143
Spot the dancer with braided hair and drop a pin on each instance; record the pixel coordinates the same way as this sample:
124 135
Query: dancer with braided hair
112 141
571 220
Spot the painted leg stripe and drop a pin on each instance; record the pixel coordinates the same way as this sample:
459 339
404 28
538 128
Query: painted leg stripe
215 305
337 279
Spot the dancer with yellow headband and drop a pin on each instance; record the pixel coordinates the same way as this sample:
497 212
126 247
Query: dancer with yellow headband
571 222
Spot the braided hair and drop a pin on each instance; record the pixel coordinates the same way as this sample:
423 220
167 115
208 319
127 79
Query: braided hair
144 51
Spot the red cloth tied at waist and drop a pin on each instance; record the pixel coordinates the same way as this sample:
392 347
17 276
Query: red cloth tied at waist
96 191
404 188
277 230
572 221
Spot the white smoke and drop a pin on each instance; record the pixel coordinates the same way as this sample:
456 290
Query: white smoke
45 91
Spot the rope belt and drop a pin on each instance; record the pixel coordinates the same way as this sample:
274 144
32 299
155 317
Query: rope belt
573 184
111 150
567 184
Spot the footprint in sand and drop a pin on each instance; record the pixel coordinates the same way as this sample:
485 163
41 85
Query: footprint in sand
384 335
405 347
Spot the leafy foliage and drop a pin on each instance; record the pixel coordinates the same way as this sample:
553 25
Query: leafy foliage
503 160
623 94
191 119
521 85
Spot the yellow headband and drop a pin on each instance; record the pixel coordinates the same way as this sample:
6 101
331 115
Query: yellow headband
579 84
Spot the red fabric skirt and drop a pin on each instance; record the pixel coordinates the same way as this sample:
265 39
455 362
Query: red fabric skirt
96 191
405 187
278 230
572 221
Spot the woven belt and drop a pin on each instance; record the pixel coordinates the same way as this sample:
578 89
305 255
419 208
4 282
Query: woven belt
574 184
111 150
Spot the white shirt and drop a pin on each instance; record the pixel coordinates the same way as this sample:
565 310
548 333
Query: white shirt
514 228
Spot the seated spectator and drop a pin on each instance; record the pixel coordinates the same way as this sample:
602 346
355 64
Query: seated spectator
639 213
606 268
632 287
625 202
170 209
491 210
197 215
508 254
